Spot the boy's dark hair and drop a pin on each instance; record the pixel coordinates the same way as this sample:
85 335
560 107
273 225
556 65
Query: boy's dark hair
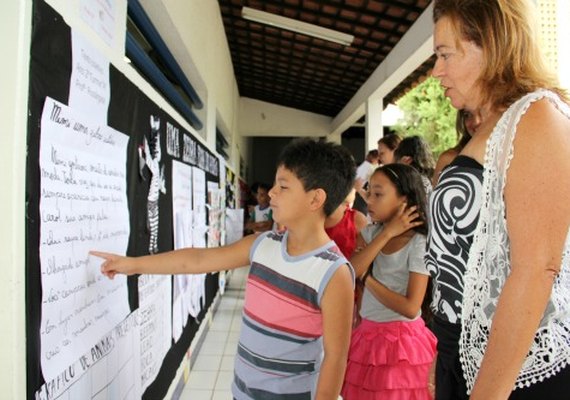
408 183
321 165
418 150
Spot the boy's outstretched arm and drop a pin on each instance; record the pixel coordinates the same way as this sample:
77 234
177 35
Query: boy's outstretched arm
183 261
337 306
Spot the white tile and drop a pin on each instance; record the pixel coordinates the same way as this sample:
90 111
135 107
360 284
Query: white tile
202 380
221 324
212 348
217 336
233 336
206 362
195 394
227 303
224 381
221 314
222 395
236 324
231 348
212 373
227 363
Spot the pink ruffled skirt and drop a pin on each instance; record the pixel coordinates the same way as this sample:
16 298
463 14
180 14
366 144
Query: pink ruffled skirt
389 361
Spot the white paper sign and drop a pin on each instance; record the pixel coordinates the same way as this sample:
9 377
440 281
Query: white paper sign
83 206
182 217
100 15
155 312
199 207
234 225
89 88
109 370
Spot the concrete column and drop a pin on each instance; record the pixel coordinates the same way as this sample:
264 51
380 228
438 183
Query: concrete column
336 138
373 123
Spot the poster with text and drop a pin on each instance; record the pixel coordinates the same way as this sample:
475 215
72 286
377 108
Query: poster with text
83 206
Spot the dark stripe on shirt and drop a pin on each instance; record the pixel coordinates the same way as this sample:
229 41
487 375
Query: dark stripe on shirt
247 322
303 293
259 394
290 367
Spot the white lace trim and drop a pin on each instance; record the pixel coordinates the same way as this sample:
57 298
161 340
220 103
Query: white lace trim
488 266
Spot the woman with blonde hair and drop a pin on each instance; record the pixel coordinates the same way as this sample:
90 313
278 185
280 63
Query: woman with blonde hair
498 246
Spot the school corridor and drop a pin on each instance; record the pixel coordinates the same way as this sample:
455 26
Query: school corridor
212 373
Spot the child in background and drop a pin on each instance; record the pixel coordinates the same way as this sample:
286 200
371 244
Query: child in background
300 351
391 351
415 151
344 224
363 173
261 218
386 146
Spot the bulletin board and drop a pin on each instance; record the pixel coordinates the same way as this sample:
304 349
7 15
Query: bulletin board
117 174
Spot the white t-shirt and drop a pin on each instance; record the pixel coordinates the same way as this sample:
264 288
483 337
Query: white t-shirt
262 215
393 271
365 170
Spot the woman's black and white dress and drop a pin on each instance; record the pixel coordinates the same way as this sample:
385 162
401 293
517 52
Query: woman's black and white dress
454 211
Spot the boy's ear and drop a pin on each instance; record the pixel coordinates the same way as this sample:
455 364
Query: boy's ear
319 198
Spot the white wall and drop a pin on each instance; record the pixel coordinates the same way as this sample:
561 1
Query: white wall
209 63
258 118
14 42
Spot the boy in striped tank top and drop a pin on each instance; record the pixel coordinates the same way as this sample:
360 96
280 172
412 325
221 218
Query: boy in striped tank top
299 297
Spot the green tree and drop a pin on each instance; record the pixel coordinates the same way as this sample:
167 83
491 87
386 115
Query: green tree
428 113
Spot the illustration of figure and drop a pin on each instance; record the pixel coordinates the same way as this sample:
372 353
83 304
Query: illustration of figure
152 156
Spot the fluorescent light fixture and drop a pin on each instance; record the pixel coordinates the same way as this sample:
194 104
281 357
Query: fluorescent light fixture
297 26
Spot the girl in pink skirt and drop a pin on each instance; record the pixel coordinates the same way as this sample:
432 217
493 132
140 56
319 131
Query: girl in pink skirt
392 350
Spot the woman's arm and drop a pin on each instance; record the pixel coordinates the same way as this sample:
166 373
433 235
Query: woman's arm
183 261
408 304
337 306
538 217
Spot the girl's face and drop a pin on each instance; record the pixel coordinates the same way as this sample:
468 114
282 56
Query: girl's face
458 65
385 155
383 199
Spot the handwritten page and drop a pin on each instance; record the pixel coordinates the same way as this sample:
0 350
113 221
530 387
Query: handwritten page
234 225
196 289
155 311
109 370
89 86
216 218
83 206
199 207
182 217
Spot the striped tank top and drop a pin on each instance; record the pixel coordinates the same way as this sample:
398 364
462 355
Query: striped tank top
280 346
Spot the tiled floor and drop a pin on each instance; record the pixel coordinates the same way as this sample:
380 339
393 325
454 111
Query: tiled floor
212 373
